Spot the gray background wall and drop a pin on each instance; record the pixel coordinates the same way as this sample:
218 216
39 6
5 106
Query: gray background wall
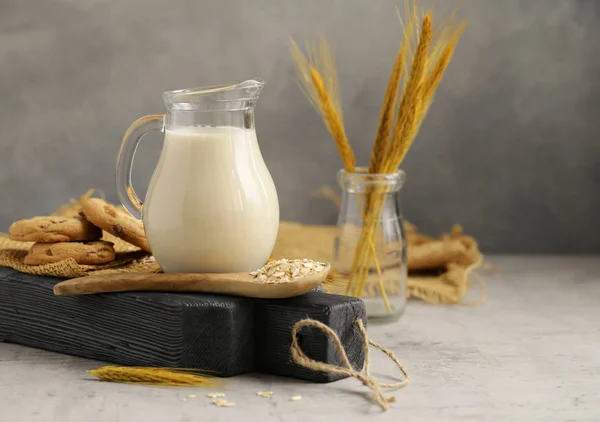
511 148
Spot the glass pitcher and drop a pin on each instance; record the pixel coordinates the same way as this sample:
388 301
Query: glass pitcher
211 205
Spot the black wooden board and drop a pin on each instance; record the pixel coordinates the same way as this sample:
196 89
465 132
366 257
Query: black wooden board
225 334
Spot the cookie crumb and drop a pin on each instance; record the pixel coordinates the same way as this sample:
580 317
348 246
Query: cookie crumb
265 394
222 403
215 395
191 396
295 398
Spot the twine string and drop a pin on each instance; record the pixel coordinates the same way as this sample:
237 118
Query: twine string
365 378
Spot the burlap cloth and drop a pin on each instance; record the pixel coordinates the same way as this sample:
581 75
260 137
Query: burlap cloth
440 270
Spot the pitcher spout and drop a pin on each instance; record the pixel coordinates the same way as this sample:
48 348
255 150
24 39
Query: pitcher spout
255 86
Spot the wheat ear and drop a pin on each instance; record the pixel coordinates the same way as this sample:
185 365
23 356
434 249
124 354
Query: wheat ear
408 108
333 122
386 119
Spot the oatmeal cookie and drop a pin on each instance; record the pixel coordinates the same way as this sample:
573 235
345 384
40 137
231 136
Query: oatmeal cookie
54 229
84 253
117 223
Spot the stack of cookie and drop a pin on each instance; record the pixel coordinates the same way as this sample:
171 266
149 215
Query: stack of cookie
79 237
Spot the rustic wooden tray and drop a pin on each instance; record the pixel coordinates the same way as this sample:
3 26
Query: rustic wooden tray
225 334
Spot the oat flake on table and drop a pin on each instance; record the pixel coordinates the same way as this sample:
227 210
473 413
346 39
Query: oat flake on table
222 403
265 394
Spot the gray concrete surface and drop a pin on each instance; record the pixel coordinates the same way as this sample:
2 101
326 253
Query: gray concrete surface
530 354
510 148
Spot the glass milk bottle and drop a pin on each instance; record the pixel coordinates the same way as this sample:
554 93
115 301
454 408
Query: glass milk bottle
369 257
211 206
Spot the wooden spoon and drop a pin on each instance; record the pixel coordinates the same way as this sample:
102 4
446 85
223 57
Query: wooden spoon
237 284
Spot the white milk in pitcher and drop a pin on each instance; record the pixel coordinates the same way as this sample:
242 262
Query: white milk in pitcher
211 205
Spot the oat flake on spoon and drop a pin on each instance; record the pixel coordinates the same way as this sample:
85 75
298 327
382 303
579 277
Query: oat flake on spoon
287 271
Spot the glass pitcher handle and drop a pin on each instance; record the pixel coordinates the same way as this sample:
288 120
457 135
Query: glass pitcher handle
129 144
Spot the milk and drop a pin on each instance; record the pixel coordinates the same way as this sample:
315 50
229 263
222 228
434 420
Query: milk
211 204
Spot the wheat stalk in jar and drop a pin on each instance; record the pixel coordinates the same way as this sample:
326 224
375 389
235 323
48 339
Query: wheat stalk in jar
422 58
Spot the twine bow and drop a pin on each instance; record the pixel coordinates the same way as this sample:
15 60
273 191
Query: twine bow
367 380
